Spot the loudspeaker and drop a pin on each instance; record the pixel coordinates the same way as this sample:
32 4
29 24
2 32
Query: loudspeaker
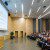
6 3
8 14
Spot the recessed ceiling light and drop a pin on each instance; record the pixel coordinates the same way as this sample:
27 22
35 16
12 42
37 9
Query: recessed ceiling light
38 8
46 8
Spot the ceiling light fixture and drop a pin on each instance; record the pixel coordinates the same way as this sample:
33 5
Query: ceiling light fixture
46 8
15 5
32 2
22 10
29 12
38 8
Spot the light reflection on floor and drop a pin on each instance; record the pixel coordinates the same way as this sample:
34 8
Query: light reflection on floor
20 44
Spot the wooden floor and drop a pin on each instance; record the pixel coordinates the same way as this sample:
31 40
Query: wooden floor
20 44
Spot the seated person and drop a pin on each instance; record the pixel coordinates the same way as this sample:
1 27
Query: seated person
43 33
47 46
42 43
48 40
40 35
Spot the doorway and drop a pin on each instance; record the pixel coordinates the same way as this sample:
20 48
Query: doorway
21 33
16 34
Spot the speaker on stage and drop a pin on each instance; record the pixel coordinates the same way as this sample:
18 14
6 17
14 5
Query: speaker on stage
6 3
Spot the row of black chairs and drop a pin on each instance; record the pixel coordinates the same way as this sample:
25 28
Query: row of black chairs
44 44
32 37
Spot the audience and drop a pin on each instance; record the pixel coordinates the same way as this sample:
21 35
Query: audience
43 39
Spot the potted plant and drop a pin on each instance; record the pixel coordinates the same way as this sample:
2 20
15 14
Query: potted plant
11 35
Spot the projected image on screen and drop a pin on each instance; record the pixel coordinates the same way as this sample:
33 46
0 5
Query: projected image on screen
3 18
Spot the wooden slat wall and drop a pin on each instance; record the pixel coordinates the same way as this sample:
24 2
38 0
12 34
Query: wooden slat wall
1 41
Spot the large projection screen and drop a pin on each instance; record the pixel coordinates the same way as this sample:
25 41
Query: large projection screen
3 18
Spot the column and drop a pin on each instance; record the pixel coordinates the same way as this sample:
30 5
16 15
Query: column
44 25
41 25
49 24
36 25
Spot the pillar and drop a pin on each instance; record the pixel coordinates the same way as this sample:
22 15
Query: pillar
36 25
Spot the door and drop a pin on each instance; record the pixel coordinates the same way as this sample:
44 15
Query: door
21 33
16 34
